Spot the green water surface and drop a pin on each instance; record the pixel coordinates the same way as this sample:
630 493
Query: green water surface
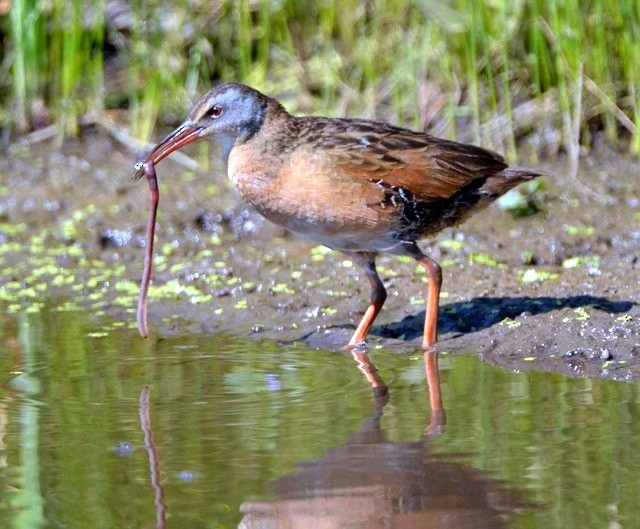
243 433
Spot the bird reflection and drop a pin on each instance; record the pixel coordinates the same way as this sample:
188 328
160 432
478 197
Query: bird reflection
371 482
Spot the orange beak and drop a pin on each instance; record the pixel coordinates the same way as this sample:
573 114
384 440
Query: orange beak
183 135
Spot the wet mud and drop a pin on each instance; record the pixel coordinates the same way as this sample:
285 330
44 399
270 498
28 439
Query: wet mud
556 290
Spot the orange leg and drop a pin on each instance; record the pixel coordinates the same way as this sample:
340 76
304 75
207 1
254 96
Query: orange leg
378 297
434 275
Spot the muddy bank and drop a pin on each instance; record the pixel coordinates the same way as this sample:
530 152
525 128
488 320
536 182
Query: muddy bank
555 291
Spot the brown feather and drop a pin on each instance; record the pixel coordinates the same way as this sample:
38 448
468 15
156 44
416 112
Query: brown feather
431 167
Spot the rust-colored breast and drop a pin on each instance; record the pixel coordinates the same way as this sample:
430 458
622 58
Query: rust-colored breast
308 193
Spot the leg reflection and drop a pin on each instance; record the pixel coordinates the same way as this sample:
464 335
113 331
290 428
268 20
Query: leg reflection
370 372
436 424
437 421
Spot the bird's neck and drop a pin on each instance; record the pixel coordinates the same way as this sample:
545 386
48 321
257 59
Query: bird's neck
273 134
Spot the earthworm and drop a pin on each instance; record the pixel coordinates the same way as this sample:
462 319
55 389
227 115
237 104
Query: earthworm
154 197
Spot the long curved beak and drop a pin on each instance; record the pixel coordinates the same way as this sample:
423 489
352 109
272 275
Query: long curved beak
183 135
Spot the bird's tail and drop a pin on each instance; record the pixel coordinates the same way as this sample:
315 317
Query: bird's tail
499 183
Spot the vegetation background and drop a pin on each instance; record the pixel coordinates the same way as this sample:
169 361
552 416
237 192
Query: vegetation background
548 74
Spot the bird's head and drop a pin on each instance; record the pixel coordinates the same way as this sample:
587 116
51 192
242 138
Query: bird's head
227 113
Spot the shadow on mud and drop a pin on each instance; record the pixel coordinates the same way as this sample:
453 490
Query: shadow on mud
484 312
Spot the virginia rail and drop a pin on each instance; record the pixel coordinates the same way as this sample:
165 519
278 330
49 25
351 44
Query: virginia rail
358 186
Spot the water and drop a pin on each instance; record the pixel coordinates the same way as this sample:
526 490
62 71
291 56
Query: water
243 433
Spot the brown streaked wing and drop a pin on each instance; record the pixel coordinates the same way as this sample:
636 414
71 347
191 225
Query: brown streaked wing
432 168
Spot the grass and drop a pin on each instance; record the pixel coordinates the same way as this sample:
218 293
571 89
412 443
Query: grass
55 63
493 71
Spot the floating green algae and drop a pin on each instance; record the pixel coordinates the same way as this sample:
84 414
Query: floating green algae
531 275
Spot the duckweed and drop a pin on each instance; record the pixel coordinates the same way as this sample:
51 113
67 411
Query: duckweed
451 244
241 304
579 230
585 260
510 323
531 275
581 314
485 259
282 288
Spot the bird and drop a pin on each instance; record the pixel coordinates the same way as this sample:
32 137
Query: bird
358 186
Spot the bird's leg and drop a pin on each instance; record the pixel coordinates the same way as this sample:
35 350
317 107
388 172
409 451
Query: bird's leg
378 297
434 276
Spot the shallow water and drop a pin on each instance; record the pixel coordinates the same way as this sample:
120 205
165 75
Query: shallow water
247 433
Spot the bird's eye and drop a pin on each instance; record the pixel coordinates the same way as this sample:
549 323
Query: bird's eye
216 111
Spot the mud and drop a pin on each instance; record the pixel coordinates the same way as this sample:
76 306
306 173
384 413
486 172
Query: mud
555 291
